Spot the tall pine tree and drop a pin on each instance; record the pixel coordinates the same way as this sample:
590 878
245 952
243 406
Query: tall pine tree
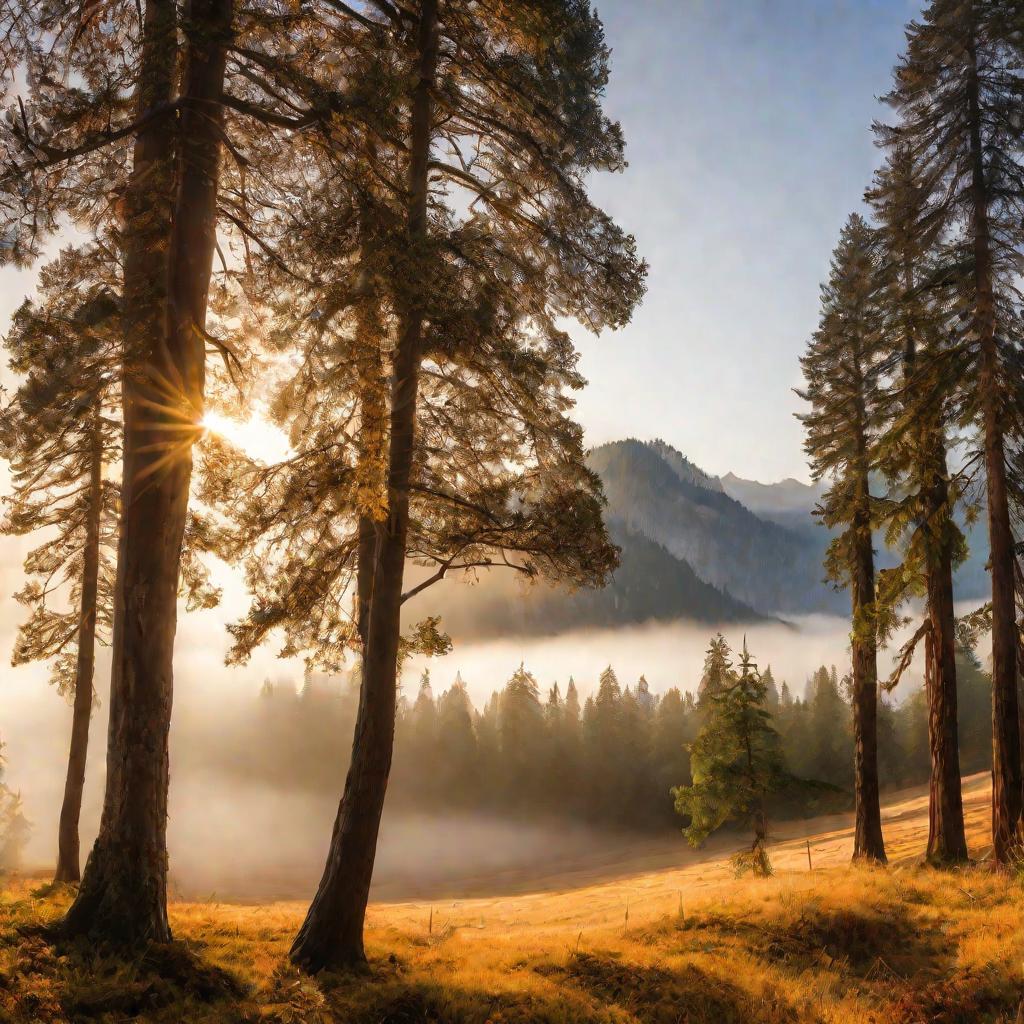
842 368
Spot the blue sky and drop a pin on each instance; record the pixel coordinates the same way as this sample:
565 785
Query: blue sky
748 135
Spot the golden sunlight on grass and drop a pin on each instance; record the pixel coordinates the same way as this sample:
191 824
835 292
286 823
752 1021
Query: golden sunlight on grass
903 945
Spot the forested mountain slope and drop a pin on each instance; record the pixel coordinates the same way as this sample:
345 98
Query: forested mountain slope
771 567
650 584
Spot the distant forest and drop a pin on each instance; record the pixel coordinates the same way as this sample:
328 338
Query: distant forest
609 760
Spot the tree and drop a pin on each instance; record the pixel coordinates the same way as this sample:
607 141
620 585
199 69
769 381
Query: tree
842 368
475 261
957 93
60 434
736 763
459 780
717 673
75 124
913 456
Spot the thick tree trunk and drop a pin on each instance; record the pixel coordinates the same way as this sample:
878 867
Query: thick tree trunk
1006 747
68 862
123 896
332 933
867 842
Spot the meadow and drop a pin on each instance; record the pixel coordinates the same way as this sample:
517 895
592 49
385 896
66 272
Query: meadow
607 942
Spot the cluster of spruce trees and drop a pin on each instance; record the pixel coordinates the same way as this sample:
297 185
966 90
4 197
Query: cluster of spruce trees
374 219
610 759
917 397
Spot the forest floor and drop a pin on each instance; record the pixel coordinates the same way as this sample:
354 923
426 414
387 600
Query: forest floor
690 945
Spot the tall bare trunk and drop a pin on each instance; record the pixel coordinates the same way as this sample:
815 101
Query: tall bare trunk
123 896
867 842
947 842
332 933
68 862
1006 748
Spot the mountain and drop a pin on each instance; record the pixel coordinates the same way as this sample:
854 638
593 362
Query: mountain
715 550
789 501
650 584
772 567
791 504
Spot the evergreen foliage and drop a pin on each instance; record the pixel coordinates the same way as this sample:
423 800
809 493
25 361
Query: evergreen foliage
736 762
288 739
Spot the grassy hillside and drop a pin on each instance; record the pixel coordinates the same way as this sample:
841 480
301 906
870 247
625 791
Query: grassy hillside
906 945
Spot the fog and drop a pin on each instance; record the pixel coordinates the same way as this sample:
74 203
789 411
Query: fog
245 841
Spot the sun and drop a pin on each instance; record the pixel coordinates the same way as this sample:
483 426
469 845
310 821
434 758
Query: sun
257 437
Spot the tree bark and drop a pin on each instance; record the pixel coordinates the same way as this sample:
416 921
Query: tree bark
947 842
373 426
123 896
1006 747
332 933
867 842
68 852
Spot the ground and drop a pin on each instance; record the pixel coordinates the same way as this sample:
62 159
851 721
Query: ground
821 943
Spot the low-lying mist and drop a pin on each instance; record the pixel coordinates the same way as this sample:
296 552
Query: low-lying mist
235 838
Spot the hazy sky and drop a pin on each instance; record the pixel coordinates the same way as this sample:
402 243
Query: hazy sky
747 130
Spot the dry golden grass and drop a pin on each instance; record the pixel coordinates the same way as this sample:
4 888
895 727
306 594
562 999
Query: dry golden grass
836 944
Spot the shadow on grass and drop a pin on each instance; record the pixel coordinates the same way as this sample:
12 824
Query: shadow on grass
44 980
656 995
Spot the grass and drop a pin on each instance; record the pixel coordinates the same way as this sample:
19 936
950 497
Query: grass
903 945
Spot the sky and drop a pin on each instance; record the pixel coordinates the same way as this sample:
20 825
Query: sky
747 129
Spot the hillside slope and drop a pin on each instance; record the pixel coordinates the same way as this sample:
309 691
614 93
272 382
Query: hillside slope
650 584
831 943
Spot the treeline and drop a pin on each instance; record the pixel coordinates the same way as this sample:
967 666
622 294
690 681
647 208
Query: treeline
916 403
610 759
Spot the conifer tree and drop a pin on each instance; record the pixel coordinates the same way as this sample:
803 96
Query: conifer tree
483 239
736 762
957 93
60 432
457 746
913 455
842 369
717 668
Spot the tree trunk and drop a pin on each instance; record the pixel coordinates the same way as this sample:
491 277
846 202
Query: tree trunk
332 933
123 896
68 862
867 842
947 842
1006 749
373 426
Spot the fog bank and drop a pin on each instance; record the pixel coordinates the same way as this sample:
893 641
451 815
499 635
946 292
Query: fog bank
259 842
